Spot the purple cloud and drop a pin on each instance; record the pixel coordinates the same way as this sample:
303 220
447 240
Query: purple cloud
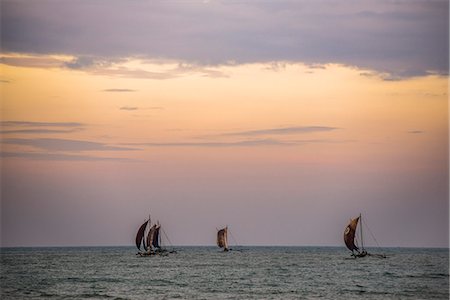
400 38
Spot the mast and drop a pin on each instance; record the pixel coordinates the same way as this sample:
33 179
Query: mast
144 242
159 235
226 239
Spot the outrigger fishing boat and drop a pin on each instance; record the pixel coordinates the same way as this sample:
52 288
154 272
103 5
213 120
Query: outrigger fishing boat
350 237
222 239
149 237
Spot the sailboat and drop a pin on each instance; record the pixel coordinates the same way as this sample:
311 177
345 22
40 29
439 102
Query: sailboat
350 236
222 238
150 240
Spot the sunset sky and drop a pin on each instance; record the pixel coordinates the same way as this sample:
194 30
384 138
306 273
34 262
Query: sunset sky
280 119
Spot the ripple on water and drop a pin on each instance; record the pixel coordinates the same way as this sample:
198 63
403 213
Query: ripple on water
206 273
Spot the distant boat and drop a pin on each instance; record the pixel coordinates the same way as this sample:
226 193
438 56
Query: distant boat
350 235
222 239
349 238
150 242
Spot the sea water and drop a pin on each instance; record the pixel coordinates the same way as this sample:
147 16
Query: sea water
208 273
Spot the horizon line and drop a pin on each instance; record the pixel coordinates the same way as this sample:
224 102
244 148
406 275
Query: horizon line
213 245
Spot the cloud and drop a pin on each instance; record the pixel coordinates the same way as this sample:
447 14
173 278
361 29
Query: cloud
158 69
254 142
249 143
244 143
415 131
32 61
63 145
37 131
113 66
40 124
119 90
401 38
92 62
79 63
133 73
147 72
60 157
129 108
204 71
28 127
281 131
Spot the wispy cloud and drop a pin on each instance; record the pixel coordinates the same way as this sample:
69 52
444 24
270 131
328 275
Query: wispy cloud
140 108
204 71
29 127
244 143
50 144
157 69
132 73
281 131
415 131
86 62
60 157
41 124
253 142
166 70
38 131
249 143
32 61
129 108
119 90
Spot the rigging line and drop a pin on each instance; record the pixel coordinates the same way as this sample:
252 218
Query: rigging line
371 233
170 243
234 240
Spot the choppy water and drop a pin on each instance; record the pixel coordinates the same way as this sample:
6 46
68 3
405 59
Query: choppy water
207 273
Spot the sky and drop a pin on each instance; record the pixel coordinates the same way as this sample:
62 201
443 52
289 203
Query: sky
282 120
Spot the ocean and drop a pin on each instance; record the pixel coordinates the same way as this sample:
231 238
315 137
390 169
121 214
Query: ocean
208 273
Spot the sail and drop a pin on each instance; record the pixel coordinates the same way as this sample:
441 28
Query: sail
144 243
349 234
222 238
140 235
155 241
150 235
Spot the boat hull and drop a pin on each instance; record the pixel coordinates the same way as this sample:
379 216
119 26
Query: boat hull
160 252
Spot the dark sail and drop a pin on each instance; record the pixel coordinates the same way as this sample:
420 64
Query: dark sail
150 235
155 241
222 238
140 235
349 234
